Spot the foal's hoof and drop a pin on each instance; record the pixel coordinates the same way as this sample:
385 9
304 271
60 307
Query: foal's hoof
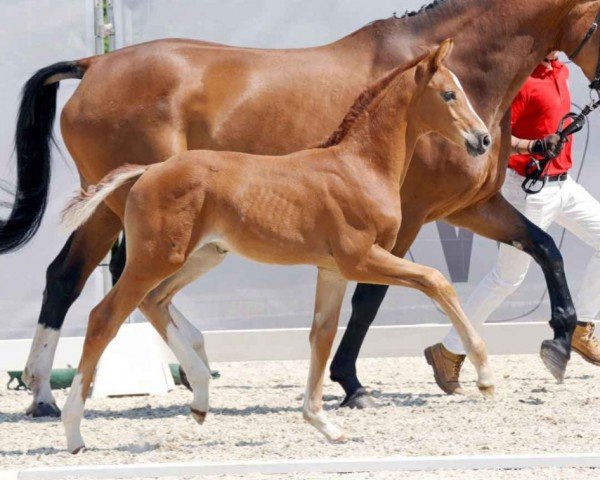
77 450
198 415
360 399
43 409
488 391
555 357
341 438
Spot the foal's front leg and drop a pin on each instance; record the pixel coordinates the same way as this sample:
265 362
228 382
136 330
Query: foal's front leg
331 287
381 267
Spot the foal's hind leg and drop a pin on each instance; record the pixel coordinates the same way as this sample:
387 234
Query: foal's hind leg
381 267
182 337
190 331
331 287
65 279
117 264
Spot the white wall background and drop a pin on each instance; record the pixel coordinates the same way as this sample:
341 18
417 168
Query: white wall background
34 34
239 294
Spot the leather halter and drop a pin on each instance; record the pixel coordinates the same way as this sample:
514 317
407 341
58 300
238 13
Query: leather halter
595 85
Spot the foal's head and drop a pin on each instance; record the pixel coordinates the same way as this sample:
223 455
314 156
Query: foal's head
440 104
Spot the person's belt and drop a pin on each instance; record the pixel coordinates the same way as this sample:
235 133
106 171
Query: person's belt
561 177
556 178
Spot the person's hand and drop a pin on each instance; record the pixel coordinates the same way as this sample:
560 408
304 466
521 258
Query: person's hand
549 146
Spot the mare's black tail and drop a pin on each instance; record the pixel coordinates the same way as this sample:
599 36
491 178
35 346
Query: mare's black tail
33 140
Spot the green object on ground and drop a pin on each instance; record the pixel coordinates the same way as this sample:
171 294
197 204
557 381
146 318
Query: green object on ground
15 382
60 378
174 367
63 377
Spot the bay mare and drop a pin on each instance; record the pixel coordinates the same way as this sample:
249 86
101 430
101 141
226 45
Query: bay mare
145 103
337 208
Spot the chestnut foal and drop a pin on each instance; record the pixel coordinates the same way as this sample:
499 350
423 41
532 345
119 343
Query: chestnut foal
335 207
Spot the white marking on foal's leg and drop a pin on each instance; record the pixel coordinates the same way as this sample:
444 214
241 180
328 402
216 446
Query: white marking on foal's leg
191 332
197 372
321 421
477 353
39 366
485 378
71 416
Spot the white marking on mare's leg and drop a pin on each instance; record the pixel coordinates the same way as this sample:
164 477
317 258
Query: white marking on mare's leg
72 414
197 372
39 366
518 245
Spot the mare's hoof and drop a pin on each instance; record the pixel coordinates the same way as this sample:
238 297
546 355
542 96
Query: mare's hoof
360 399
43 409
487 391
198 415
555 357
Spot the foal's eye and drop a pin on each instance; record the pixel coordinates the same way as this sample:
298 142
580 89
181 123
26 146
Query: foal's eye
448 96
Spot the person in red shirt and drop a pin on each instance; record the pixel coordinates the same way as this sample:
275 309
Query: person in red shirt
536 112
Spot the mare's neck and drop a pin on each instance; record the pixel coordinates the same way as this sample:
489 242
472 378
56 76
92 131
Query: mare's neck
498 44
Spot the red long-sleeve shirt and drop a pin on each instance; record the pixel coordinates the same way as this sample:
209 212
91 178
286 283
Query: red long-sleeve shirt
536 112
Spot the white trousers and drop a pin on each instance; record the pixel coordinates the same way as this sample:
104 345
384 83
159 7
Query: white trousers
566 203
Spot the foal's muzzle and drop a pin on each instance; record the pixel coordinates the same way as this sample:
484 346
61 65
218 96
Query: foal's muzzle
478 143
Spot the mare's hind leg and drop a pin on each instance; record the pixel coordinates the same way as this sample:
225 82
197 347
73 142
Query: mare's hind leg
186 342
331 287
65 279
117 259
381 267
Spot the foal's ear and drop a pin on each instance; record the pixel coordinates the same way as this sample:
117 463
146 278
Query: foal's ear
441 54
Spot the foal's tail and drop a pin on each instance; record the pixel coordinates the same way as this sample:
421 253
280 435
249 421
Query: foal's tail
33 144
82 206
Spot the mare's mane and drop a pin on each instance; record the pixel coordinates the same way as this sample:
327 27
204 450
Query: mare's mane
366 98
429 6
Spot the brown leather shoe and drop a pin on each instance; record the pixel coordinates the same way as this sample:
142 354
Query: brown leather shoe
585 344
446 367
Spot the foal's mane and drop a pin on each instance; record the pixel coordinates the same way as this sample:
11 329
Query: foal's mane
366 98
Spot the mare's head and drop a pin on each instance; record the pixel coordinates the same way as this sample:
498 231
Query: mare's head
441 105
